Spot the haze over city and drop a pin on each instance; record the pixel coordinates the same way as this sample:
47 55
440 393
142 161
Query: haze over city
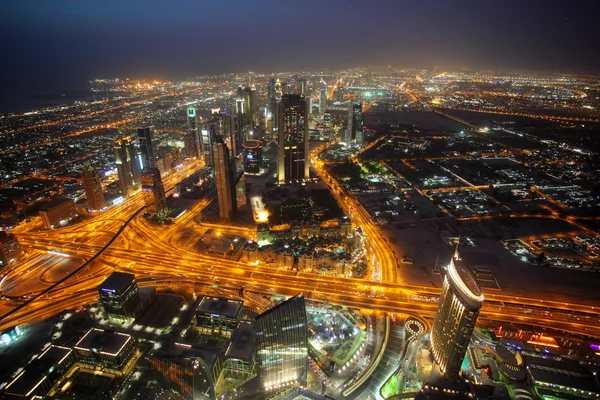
315 200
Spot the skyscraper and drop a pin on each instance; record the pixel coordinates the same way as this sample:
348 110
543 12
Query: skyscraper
251 104
323 99
225 180
145 139
127 167
292 165
194 150
152 182
455 318
355 122
281 344
93 188
240 111
160 199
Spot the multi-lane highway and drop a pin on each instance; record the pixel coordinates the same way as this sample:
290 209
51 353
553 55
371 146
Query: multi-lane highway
150 253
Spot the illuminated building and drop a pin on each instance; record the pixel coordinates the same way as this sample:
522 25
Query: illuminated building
168 161
281 344
458 308
239 356
106 348
188 370
39 375
152 182
58 212
323 98
120 296
252 156
147 160
292 153
225 175
218 316
278 91
127 167
354 133
251 106
93 188
10 249
195 145
240 111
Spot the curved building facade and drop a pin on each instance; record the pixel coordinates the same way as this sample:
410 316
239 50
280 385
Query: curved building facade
455 318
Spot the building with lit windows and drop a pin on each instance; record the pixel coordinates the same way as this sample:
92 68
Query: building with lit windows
120 296
252 156
218 316
106 348
225 174
251 106
458 308
148 160
292 152
195 145
127 165
58 212
323 98
239 356
10 249
41 374
152 183
281 344
93 188
354 133
187 370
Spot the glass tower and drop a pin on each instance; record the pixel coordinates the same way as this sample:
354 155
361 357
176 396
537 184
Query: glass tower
455 318
281 344
292 152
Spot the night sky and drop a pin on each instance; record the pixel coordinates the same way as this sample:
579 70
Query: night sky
62 44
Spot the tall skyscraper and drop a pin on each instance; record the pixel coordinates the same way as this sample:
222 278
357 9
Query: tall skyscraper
281 344
160 199
127 166
354 134
240 113
323 99
455 318
225 180
93 187
292 153
251 104
145 140
152 182
278 89
194 132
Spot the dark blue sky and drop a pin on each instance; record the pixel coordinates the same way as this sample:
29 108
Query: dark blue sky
54 43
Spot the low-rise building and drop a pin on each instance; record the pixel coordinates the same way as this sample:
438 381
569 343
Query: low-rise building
218 316
41 373
10 249
239 356
107 348
58 212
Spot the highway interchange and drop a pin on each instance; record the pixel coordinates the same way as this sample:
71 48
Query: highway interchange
121 239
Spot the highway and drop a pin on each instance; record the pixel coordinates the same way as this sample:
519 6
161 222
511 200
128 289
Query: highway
149 252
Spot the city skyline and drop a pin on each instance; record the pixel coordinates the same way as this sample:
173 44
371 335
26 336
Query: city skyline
376 222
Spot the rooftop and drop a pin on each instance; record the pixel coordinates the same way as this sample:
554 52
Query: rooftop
209 355
37 370
220 306
242 342
118 281
54 202
103 341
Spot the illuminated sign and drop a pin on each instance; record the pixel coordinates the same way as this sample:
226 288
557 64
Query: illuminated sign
191 112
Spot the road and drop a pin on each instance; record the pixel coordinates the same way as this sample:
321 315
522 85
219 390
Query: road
147 251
